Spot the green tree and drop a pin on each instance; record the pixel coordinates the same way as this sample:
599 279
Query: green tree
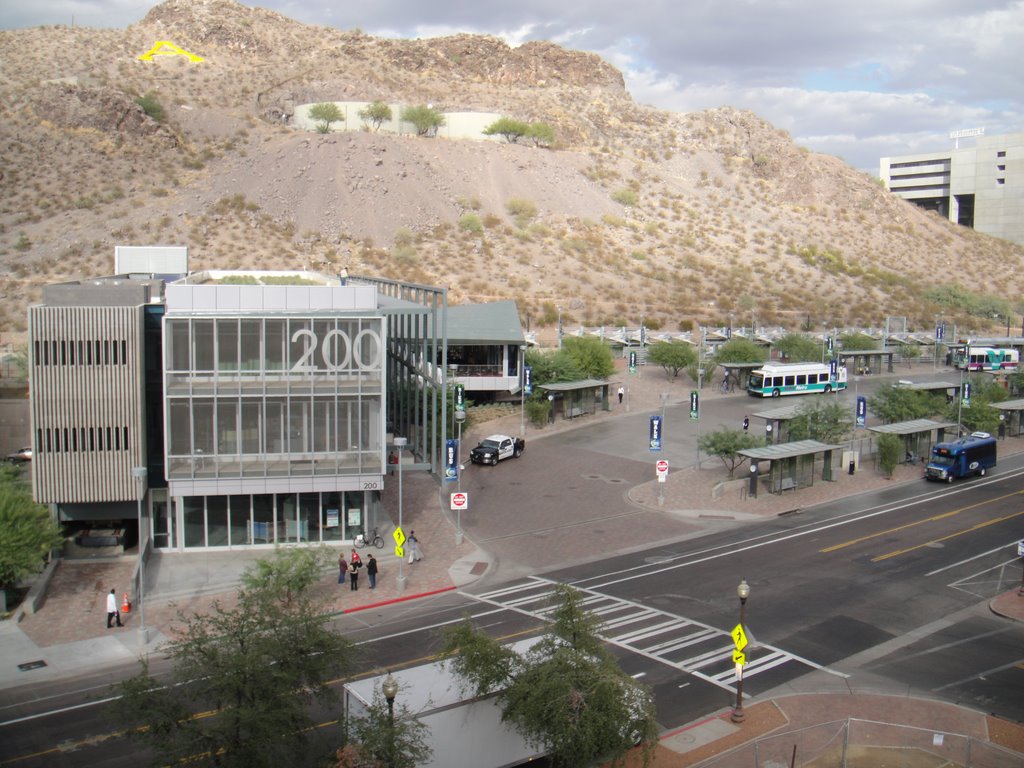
673 356
910 352
591 355
893 403
423 118
566 694
375 114
823 420
978 416
152 107
27 532
551 367
257 665
380 739
726 444
889 452
857 341
798 348
541 134
513 130
739 350
326 112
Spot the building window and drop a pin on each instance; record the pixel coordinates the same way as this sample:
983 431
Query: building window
1000 181
1001 153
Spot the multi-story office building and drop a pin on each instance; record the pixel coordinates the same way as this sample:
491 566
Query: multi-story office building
980 187
243 409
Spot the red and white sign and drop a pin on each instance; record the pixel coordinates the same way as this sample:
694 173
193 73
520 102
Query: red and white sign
460 501
661 466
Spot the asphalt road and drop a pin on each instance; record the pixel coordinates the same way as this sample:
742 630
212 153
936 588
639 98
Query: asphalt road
887 591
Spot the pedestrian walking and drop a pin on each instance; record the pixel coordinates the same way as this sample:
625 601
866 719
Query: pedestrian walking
371 571
342 568
112 612
353 576
621 392
746 423
415 553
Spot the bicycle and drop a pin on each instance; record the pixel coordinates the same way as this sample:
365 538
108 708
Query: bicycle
725 387
364 539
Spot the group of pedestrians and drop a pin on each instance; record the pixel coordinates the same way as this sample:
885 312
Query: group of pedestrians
352 567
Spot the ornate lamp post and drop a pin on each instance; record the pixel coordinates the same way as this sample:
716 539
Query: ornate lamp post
390 688
742 592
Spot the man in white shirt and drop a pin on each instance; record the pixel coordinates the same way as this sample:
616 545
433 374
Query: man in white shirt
112 612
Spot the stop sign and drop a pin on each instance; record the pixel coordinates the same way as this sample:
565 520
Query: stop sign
662 467
460 500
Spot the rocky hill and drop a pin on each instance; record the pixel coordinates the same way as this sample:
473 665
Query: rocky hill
634 211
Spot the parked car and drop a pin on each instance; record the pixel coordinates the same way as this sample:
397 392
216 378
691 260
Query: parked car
493 449
20 456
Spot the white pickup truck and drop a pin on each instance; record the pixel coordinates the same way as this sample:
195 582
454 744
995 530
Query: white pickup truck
493 449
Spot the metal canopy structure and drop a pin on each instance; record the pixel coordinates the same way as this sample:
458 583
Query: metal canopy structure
914 434
872 360
577 398
784 458
734 372
1010 416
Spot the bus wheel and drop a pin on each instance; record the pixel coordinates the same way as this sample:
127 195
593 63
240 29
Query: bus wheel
775 393
828 388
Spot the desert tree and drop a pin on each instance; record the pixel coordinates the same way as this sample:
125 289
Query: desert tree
889 451
566 694
325 113
375 114
592 356
726 444
892 403
423 118
27 532
510 128
673 356
824 420
541 134
380 737
254 669
799 348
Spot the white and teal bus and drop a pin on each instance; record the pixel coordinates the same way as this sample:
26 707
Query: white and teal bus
794 379
972 358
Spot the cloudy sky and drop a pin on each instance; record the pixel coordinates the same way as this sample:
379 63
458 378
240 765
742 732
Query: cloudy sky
859 80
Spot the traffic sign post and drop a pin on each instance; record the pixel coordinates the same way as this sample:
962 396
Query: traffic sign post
661 470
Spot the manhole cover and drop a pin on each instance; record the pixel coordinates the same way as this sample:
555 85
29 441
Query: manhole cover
31 665
616 480
592 477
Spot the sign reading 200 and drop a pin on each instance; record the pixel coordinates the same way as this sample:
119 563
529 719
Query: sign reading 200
322 354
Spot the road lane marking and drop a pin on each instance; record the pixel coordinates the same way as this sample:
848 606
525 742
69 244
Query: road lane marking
972 529
932 519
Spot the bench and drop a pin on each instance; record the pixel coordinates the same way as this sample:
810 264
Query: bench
787 484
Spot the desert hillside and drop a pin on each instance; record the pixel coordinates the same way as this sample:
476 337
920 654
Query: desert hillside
631 212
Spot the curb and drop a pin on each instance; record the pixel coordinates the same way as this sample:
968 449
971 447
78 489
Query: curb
393 600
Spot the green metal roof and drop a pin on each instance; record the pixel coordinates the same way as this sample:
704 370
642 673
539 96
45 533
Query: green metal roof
496 322
1009 405
569 386
788 450
911 427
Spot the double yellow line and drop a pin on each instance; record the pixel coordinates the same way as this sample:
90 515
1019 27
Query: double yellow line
932 519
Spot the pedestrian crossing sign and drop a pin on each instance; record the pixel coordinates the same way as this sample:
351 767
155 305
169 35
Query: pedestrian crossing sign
739 637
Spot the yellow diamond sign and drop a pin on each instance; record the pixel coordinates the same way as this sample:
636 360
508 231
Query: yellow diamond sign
399 536
739 637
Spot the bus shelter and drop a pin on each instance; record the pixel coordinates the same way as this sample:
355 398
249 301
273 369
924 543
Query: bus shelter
952 389
736 374
776 418
791 465
916 436
570 399
1010 417
866 361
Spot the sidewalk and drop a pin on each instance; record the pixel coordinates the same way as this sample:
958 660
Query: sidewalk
70 629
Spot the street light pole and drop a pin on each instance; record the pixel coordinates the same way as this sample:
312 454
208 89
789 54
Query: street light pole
400 443
139 473
460 416
742 592
522 391
390 688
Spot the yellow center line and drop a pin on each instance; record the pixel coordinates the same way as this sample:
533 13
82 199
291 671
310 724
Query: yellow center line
932 519
977 527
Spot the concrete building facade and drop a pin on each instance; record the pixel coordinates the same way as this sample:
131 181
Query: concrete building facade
981 187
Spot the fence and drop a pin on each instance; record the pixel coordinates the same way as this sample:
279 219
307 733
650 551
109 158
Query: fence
855 743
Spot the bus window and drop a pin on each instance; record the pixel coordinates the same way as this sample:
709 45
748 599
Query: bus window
788 381
801 380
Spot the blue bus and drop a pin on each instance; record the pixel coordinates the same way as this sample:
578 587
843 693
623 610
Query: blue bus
971 455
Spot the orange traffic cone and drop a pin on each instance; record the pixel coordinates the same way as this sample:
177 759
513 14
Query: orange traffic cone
126 607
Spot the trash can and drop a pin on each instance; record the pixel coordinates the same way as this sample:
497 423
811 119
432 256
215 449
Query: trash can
852 467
